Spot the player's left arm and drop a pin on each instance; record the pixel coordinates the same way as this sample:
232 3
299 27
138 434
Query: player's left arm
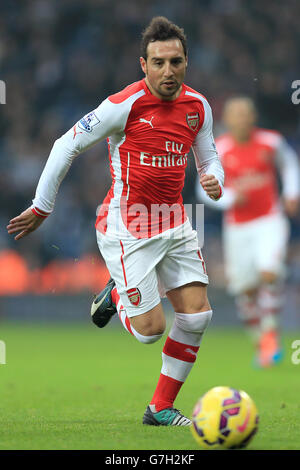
287 162
208 164
92 128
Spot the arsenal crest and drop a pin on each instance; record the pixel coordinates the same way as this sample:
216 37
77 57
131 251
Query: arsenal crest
193 120
134 296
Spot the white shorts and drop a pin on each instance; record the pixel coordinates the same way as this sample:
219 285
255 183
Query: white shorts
144 270
254 247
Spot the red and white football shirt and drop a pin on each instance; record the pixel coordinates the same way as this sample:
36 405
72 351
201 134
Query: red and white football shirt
149 140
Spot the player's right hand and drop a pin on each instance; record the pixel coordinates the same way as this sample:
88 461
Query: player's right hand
24 223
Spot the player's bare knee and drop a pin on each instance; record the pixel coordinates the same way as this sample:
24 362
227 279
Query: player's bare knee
195 305
151 323
204 306
149 328
190 298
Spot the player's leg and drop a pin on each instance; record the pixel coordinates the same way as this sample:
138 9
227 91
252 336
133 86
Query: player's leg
240 243
249 313
258 310
271 253
192 317
270 299
139 308
186 335
269 302
184 280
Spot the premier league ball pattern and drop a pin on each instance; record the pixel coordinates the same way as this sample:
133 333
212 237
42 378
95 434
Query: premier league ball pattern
224 418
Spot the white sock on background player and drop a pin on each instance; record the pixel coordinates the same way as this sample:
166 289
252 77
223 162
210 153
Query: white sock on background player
269 301
250 315
260 312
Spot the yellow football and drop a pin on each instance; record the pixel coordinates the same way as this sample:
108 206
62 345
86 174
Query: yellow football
224 418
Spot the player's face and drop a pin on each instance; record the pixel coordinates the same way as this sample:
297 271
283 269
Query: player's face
239 118
165 68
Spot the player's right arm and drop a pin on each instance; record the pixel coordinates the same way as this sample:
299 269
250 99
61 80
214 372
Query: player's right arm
95 126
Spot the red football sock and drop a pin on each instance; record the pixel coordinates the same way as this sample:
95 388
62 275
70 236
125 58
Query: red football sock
165 393
178 359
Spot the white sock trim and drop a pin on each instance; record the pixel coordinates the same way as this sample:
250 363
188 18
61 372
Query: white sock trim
175 368
145 339
193 322
188 328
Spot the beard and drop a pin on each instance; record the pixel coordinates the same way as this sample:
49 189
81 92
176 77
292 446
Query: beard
165 89
168 90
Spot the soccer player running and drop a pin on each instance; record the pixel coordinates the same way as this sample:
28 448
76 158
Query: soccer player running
255 223
142 230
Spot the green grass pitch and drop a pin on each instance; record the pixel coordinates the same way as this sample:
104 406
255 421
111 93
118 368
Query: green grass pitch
78 387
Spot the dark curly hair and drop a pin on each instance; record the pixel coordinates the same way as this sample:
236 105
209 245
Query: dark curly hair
161 29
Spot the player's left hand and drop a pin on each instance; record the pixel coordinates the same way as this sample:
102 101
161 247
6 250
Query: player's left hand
211 186
24 223
291 206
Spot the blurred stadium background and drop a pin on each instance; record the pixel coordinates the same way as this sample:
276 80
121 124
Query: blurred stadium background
59 60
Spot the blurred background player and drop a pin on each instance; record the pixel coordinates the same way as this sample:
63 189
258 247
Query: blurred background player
255 224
